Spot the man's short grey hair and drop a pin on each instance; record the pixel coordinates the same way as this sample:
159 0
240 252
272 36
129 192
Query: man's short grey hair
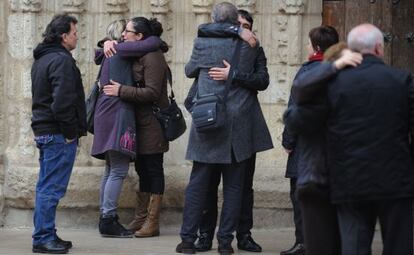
224 12
364 38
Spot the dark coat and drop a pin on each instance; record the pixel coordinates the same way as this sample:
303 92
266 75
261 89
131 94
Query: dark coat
370 124
58 99
307 161
258 80
151 73
246 131
114 119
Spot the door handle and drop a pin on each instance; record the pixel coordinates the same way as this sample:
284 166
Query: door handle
388 37
410 37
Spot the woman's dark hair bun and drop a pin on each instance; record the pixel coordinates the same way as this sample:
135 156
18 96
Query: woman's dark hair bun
156 27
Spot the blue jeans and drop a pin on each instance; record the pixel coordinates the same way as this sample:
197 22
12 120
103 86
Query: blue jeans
56 162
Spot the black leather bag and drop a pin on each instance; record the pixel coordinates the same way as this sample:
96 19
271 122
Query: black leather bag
90 102
171 117
209 111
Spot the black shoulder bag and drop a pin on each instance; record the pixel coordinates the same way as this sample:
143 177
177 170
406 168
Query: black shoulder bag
171 118
209 111
90 102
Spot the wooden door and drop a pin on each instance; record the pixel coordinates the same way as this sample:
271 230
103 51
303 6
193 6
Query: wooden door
395 18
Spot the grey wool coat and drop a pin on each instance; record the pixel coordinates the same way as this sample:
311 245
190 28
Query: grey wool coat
246 131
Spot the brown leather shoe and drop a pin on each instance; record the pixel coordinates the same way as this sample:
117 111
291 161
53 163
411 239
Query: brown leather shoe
151 226
141 211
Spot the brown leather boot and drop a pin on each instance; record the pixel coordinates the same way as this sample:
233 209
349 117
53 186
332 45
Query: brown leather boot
141 211
151 226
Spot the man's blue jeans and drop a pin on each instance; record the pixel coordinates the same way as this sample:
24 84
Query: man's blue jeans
56 162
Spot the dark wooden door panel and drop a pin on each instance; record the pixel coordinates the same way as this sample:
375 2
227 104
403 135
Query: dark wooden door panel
374 12
334 15
403 25
395 18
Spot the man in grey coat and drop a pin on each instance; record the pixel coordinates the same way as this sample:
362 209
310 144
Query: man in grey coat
229 149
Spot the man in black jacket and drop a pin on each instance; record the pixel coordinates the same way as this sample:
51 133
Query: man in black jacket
256 81
58 120
370 127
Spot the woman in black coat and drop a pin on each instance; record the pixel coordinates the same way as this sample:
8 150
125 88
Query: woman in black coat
306 164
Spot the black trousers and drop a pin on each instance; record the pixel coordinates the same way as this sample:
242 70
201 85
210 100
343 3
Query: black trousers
151 173
196 196
320 223
297 213
209 217
357 222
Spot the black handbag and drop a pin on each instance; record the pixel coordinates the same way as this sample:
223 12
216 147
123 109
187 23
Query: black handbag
90 102
209 111
171 117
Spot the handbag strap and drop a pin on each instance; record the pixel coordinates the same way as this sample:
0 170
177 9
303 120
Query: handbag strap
233 65
169 78
99 72
155 107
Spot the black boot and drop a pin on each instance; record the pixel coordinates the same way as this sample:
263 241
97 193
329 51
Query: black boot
224 248
204 242
297 249
110 227
245 242
186 248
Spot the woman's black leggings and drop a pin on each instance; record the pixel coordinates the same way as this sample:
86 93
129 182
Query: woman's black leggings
151 173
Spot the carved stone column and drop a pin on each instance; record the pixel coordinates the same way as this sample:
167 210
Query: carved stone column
202 10
2 118
160 9
116 9
248 5
82 54
20 152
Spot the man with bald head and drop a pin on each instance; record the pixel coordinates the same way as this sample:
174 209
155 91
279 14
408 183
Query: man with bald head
370 126
369 116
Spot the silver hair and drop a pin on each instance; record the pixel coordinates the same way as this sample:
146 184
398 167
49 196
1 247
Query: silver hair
364 38
224 12
115 29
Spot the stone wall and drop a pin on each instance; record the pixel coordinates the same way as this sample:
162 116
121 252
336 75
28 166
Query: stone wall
282 26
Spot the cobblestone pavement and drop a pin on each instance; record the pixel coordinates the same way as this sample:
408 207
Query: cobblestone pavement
87 241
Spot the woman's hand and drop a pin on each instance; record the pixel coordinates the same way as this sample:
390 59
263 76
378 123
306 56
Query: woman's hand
109 48
112 89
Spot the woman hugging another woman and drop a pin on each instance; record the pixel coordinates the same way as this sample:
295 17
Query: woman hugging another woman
120 137
150 75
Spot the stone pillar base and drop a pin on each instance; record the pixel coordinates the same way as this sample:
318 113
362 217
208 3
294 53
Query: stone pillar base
170 218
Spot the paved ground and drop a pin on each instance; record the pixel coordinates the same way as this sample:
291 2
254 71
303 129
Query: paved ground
87 241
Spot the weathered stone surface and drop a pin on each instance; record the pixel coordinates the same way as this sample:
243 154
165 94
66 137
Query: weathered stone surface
281 25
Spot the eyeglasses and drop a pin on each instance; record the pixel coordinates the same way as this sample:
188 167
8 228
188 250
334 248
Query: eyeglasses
130 31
